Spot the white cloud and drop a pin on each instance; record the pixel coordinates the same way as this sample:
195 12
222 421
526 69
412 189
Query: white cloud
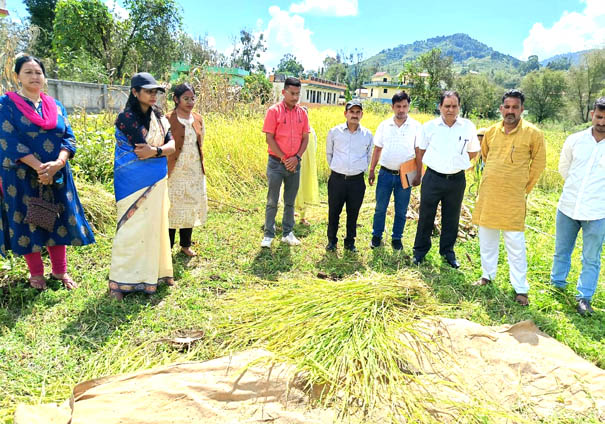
116 9
326 7
286 33
573 32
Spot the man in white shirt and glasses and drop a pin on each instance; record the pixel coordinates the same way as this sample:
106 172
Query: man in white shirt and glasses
348 150
393 145
446 146
582 206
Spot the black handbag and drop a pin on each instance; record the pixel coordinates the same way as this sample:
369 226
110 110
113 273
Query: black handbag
42 213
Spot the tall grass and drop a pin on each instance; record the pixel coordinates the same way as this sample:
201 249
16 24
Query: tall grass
235 149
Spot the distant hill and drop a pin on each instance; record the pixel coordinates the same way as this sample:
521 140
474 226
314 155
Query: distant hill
467 53
574 58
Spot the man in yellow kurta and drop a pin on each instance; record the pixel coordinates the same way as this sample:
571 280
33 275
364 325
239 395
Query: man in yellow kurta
514 154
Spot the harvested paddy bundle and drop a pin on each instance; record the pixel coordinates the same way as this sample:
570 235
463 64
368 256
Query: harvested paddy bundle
362 345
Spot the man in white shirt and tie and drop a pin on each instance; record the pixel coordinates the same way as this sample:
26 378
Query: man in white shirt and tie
446 146
582 206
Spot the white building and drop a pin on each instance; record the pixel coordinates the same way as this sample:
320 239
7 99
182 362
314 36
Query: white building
313 90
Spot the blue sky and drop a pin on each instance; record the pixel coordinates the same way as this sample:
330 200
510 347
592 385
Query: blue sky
311 29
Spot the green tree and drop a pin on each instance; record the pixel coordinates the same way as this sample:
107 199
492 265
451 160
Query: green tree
356 74
42 15
247 50
84 33
334 69
153 27
257 86
586 82
505 79
429 75
544 93
561 64
289 65
197 51
478 96
146 40
532 64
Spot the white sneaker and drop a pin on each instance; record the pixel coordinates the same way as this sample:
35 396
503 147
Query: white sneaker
291 239
266 242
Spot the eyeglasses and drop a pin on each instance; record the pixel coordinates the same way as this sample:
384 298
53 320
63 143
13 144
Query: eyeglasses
152 92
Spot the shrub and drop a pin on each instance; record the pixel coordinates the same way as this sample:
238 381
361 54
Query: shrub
95 141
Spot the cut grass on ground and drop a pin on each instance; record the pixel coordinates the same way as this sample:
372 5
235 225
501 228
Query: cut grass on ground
52 340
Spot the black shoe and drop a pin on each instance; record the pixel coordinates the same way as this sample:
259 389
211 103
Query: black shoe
351 248
584 307
331 247
417 260
450 258
396 244
376 242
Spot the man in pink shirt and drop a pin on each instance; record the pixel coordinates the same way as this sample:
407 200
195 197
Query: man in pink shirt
287 130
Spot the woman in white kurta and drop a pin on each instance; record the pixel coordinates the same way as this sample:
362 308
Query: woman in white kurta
186 176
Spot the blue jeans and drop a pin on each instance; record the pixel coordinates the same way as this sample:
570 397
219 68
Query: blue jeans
389 183
593 234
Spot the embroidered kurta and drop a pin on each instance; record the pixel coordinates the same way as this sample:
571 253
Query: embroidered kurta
19 137
187 184
513 164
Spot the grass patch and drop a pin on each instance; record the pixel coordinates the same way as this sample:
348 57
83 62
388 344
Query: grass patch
49 341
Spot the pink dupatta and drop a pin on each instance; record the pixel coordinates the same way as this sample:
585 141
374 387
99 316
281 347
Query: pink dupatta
49 110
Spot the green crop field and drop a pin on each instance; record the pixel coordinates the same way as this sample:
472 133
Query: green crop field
333 315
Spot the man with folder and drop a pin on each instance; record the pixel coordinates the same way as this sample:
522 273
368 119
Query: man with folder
393 146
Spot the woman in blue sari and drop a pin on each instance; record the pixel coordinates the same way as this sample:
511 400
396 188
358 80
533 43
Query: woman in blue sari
140 257
36 143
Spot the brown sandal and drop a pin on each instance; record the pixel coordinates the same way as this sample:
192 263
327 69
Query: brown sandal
116 294
67 281
169 281
522 299
37 282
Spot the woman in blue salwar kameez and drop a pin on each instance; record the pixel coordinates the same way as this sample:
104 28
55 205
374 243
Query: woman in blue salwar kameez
36 143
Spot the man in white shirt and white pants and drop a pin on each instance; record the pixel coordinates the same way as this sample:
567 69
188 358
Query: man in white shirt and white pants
446 146
582 206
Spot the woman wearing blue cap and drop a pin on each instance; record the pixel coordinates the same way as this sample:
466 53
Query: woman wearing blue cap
140 257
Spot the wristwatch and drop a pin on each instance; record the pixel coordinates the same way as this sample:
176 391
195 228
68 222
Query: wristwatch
158 153
299 158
